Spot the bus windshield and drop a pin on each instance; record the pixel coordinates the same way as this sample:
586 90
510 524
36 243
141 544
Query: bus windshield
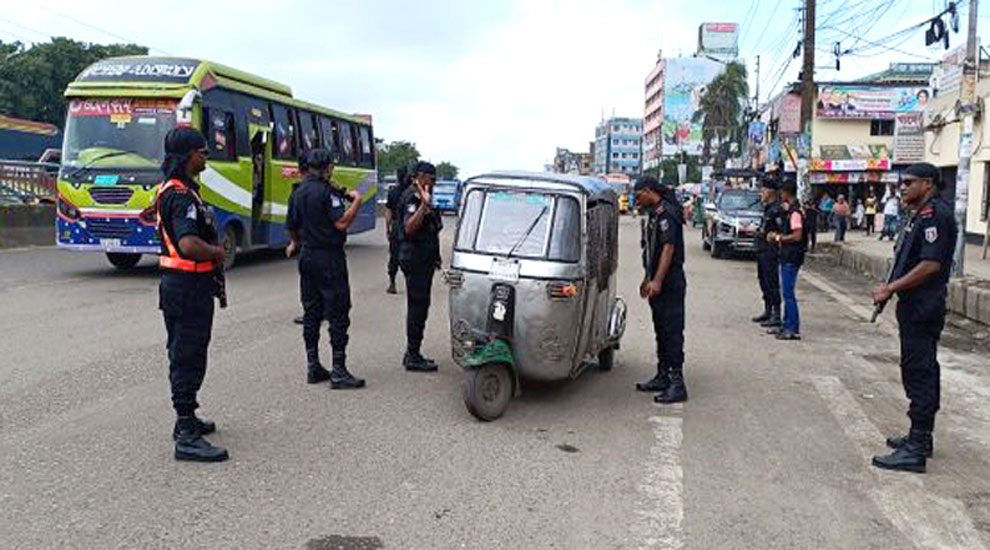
125 132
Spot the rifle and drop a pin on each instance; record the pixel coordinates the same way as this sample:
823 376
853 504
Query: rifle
219 277
878 308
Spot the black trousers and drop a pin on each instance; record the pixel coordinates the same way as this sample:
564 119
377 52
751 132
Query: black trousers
668 326
419 285
186 302
920 326
393 258
811 226
768 271
325 291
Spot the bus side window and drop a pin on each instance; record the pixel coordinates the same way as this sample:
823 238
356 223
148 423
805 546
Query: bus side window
285 132
307 131
326 135
367 155
220 134
346 142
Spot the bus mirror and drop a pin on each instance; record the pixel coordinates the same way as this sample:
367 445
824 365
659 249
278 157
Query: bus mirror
183 114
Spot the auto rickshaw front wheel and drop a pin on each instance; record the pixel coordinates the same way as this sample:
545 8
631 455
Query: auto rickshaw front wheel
488 391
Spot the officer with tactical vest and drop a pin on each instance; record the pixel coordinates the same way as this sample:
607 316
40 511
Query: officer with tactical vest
317 222
664 286
922 263
767 264
189 260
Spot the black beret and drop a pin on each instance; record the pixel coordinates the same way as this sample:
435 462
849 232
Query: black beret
318 159
183 140
771 183
924 170
423 167
648 182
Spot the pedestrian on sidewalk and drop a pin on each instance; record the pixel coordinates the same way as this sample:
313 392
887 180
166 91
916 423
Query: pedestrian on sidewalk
841 215
767 263
859 214
891 213
919 278
871 211
793 243
664 287
811 217
827 204
317 223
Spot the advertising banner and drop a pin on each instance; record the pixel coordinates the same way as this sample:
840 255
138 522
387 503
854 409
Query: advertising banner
719 39
756 132
840 101
909 138
850 158
684 85
790 114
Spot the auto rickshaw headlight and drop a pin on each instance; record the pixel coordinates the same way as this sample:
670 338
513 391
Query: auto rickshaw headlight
68 209
562 290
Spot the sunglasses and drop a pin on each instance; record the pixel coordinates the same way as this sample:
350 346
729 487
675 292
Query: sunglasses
204 151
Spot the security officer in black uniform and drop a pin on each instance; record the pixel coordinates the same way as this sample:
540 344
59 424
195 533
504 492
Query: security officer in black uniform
767 263
317 223
402 182
664 286
303 170
419 257
922 263
189 259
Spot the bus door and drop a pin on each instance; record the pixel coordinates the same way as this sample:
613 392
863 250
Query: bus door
261 158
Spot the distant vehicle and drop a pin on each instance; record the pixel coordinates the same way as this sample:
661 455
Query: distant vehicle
383 189
732 222
447 196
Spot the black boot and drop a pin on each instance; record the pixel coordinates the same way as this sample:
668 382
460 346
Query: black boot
896 442
315 372
415 362
910 457
391 286
763 316
191 445
774 319
204 427
299 320
340 378
658 383
676 392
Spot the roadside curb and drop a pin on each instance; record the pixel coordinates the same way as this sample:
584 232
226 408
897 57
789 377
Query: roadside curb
969 296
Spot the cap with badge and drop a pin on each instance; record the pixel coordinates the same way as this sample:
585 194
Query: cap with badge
923 170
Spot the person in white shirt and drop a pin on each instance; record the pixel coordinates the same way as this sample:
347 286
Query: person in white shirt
891 213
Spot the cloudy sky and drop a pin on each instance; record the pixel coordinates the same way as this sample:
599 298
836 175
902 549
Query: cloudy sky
483 84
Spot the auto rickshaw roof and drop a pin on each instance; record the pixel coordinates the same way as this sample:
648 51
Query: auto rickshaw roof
592 186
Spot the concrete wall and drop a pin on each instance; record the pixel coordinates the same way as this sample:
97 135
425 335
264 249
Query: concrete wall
968 297
24 225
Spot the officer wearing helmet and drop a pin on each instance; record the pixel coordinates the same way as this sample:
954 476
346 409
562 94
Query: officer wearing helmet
190 256
317 222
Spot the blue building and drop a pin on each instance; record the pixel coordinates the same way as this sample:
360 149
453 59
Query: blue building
618 146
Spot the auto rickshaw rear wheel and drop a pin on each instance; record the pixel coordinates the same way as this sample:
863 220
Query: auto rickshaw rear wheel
488 390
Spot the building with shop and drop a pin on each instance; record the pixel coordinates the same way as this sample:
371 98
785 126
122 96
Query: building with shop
568 162
653 116
618 146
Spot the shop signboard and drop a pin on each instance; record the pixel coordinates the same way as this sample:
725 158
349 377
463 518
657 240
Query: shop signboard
869 102
850 158
790 114
909 138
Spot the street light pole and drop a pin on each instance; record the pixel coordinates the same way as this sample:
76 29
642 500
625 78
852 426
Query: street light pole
967 99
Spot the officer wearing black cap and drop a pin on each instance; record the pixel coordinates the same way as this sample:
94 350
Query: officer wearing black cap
922 261
317 223
188 261
767 262
664 286
419 257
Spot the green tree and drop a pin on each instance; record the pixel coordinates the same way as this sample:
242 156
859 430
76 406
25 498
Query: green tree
447 171
395 154
32 80
720 111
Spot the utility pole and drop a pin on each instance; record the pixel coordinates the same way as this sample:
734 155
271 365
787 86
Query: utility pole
967 98
756 96
808 92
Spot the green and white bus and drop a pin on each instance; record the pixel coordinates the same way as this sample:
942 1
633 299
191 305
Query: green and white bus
119 112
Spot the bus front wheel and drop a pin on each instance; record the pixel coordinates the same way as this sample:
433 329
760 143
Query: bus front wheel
229 243
123 260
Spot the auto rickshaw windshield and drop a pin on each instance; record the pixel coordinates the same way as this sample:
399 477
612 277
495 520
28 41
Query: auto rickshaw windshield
527 224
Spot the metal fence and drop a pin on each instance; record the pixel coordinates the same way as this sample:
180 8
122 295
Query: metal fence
27 182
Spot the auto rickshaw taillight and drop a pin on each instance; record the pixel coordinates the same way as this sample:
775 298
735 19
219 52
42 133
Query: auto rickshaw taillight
560 290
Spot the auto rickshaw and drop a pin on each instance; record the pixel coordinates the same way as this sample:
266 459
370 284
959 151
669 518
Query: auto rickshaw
532 283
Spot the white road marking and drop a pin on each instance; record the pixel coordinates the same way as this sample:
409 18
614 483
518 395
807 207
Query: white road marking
860 310
927 519
662 512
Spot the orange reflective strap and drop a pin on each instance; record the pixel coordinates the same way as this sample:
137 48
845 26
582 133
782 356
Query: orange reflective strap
174 260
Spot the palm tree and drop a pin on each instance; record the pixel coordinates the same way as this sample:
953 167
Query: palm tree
720 110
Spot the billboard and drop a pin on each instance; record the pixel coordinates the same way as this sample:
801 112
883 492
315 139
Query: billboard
719 39
866 102
909 138
684 84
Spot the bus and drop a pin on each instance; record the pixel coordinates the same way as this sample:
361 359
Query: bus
120 110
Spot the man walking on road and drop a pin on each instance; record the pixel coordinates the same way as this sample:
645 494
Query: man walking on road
419 257
189 259
922 263
664 286
767 264
317 223
792 242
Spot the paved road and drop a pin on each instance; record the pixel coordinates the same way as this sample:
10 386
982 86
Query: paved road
771 452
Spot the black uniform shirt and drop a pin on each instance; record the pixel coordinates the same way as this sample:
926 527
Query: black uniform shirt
773 216
930 235
423 248
663 228
793 253
313 209
182 215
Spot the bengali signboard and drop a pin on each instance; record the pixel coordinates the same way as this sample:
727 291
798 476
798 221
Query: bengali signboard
140 70
909 138
756 132
719 39
850 158
869 102
684 84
